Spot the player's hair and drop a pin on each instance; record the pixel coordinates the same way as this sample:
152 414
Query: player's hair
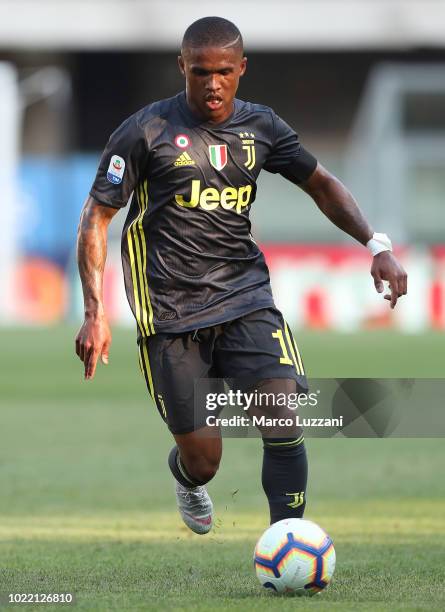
212 32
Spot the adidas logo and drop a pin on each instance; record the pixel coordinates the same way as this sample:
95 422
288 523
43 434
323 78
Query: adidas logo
184 160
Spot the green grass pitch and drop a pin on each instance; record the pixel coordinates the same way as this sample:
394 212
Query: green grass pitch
87 506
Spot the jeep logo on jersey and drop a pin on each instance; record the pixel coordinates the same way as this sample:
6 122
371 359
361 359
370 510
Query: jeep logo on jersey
210 198
116 170
218 156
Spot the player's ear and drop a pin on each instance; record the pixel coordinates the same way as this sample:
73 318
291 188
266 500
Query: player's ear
181 65
243 66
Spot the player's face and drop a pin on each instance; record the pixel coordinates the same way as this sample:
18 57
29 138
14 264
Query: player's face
212 75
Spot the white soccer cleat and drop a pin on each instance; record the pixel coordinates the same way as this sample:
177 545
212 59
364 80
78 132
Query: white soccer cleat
195 508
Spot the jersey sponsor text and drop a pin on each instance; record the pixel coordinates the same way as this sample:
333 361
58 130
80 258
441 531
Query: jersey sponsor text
210 198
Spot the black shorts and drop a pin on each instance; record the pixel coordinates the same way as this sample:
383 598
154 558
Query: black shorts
247 350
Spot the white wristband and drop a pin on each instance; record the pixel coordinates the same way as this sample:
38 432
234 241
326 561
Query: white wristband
379 243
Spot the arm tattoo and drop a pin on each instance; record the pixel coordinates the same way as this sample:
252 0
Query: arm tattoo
91 255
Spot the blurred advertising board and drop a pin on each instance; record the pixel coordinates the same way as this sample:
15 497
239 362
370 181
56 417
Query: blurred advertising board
316 286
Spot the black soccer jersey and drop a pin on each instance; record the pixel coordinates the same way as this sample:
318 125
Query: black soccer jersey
188 255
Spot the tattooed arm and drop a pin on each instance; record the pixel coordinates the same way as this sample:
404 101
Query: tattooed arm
94 337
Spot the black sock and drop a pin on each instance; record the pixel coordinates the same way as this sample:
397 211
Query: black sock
284 477
178 470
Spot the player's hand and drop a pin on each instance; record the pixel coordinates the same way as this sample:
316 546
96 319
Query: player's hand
385 267
93 340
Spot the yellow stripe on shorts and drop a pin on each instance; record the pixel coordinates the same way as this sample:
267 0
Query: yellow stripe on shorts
291 346
146 368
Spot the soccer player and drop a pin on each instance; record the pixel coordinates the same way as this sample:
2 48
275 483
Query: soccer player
196 281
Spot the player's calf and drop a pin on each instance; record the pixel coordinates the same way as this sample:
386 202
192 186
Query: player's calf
198 457
192 467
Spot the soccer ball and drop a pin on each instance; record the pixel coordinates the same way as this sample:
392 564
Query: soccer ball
294 556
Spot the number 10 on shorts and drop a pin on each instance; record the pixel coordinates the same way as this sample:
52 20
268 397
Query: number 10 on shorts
292 359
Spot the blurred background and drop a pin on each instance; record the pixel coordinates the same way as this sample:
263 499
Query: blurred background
362 82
